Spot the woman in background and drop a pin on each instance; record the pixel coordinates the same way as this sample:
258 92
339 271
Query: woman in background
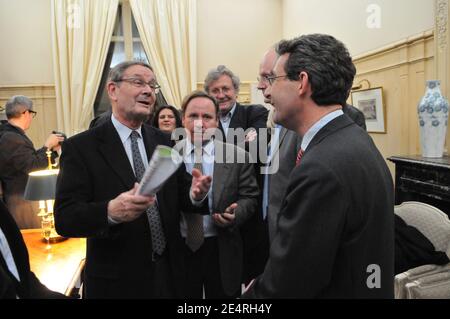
167 118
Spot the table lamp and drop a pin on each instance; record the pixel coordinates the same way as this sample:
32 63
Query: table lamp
41 186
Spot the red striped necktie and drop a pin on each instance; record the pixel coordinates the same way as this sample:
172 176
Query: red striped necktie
299 157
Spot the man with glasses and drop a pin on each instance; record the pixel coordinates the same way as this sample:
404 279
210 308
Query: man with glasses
334 235
284 145
18 157
105 116
134 242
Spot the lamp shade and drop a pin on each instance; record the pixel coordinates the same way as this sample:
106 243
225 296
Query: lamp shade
41 185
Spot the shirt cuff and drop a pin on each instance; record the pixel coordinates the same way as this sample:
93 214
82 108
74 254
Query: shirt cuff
197 203
112 222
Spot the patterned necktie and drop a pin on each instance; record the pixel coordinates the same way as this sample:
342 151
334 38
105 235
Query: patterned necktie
154 219
195 235
299 157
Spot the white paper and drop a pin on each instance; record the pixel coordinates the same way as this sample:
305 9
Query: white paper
164 162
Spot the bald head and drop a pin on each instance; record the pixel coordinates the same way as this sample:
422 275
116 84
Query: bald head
265 70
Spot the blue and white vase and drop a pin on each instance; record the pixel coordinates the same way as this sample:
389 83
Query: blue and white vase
433 118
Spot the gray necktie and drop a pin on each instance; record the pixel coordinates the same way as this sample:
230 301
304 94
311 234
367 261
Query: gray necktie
154 219
195 234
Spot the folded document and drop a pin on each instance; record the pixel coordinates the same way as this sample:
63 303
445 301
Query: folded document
164 162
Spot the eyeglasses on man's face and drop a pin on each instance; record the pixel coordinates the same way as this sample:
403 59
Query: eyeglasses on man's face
271 79
33 113
139 83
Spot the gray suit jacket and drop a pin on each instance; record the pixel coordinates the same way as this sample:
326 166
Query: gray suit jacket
233 182
285 155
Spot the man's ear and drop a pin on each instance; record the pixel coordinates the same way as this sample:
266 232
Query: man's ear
304 85
111 88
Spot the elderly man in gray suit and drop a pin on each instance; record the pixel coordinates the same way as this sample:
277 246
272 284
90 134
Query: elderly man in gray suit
213 251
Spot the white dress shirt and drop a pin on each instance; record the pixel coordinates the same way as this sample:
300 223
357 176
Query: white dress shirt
209 228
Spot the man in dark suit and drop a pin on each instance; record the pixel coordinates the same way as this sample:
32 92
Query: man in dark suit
223 85
335 230
283 148
134 243
16 279
18 157
215 260
356 115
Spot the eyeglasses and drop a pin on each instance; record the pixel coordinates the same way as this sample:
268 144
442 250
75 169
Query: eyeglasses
271 79
141 83
262 78
33 113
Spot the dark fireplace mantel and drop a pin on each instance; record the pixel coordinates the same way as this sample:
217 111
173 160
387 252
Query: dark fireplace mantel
423 179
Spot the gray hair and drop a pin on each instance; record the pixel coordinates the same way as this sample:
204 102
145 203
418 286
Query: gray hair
117 72
17 105
214 74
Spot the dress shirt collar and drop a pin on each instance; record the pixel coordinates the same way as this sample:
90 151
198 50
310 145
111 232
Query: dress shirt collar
123 130
208 148
313 130
227 117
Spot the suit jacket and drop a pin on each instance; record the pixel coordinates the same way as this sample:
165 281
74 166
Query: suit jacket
17 158
29 285
336 222
233 182
254 233
94 170
289 144
245 117
356 115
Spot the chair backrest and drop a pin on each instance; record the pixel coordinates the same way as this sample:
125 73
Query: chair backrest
430 221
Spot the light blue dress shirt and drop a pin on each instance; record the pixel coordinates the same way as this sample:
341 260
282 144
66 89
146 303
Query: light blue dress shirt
274 141
226 120
7 255
313 130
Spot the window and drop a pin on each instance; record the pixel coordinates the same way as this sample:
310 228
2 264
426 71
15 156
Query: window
125 45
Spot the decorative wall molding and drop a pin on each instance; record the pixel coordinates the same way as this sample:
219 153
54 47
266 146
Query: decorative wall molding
401 69
442 12
442 49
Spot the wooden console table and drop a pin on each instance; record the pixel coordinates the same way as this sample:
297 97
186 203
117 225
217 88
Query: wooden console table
60 267
423 179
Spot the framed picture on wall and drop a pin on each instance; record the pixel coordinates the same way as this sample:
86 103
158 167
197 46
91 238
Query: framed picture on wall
370 102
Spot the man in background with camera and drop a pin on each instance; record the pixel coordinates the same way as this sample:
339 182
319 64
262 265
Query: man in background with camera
18 157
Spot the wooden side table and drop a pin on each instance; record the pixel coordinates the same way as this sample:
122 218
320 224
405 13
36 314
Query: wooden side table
60 267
